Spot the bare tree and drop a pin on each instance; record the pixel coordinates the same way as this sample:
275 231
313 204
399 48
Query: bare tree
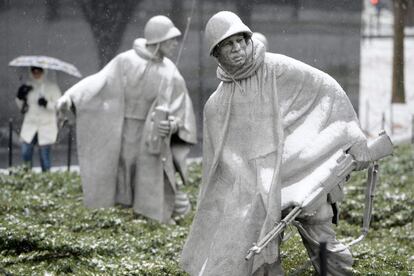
177 13
4 4
400 11
52 10
296 5
108 20
244 10
410 14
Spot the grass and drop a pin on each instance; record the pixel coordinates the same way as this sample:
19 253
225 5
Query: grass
45 230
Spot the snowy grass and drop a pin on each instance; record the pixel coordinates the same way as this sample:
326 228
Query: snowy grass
45 230
388 248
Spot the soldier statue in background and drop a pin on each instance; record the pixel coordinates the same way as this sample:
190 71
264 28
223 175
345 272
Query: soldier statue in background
135 123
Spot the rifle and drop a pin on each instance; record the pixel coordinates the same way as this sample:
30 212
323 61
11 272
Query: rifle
343 166
155 144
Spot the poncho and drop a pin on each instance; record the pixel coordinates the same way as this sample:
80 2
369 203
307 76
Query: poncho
268 125
101 110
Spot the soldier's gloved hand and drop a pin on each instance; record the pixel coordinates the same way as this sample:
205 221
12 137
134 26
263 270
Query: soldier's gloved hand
167 127
64 102
361 154
23 91
42 102
164 128
173 124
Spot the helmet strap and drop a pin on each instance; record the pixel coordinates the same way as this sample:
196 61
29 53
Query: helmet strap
155 52
231 76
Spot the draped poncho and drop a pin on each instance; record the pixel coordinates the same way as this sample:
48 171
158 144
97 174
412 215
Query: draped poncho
101 110
268 125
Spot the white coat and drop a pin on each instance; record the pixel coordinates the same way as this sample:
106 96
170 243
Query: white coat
39 119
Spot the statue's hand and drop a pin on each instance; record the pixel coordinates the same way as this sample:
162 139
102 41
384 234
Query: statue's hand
361 154
164 128
167 127
64 103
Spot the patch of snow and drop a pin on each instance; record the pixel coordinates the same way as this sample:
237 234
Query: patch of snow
375 108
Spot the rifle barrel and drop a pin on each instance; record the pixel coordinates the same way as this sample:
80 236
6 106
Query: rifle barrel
272 234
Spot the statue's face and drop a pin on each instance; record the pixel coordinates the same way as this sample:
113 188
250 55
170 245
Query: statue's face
232 52
167 48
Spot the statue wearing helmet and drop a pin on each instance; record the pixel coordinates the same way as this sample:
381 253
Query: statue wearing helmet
269 124
135 124
223 25
160 28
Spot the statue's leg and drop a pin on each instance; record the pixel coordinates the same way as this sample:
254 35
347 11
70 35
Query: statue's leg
320 228
274 269
131 137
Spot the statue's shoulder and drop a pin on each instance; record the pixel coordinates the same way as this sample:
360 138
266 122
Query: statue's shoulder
171 67
214 100
292 68
127 55
282 63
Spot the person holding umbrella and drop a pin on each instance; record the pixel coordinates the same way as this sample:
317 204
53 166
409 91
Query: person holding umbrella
37 99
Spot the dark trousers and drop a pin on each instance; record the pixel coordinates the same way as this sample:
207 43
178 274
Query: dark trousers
44 154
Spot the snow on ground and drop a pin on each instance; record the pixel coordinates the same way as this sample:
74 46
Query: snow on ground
376 80
74 168
375 89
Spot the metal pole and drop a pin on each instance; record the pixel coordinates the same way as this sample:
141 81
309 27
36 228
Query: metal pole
69 145
10 142
367 116
323 258
201 65
391 119
412 129
378 10
369 27
383 121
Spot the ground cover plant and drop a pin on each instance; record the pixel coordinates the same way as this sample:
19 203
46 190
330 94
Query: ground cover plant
45 230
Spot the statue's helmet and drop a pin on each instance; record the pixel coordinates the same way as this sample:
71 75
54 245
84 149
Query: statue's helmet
160 28
223 25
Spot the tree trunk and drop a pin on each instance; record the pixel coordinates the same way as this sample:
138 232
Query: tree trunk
296 4
177 14
410 14
4 5
398 94
52 10
108 20
244 10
